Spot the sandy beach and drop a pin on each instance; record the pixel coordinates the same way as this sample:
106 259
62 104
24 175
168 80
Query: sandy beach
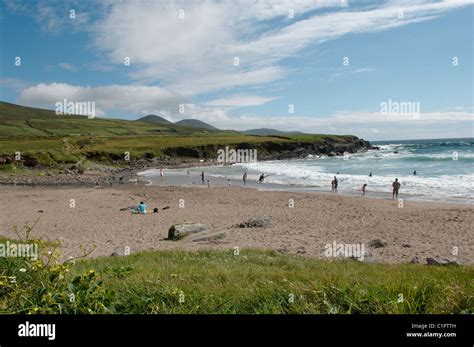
417 229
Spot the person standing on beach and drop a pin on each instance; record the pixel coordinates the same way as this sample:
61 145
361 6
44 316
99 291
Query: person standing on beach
335 184
245 178
202 177
363 188
395 187
161 174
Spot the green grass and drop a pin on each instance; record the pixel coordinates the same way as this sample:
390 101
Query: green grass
265 282
50 139
52 150
16 120
220 282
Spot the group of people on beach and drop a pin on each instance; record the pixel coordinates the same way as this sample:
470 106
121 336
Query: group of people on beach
395 186
261 179
334 183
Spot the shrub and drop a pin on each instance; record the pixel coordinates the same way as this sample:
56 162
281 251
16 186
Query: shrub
44 285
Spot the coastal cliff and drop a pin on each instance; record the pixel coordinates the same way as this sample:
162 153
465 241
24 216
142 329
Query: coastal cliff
278 150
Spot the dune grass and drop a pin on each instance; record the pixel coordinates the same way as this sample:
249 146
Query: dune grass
258 282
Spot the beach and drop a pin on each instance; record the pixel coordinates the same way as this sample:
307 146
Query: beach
98 216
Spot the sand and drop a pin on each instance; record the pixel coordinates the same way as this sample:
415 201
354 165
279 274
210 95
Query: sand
419 229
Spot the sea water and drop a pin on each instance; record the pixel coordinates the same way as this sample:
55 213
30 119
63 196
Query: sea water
444 170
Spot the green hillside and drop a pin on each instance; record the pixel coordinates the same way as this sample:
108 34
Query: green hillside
268 131
153 119
18 120
196 123
46 139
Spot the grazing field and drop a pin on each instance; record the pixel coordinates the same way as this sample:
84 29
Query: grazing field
60 150
47 139
18 120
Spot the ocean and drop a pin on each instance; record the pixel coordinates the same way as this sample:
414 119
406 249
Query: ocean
444 171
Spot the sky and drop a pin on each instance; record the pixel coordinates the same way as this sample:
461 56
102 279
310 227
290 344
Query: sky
381 70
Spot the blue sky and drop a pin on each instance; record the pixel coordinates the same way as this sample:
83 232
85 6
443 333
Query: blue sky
396 50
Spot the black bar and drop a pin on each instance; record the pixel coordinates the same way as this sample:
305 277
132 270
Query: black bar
379 330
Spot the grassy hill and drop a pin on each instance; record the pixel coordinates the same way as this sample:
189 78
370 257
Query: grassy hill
195 123
18 120
268 131
44 138
153 119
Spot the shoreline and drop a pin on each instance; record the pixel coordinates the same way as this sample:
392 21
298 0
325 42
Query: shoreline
174 177
130 176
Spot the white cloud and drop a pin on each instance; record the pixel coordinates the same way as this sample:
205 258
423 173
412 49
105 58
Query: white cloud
67 66
361 70
195 55
132 99
48 18
344 71
370 125
14 83
239 100
344 119
53 16
142 100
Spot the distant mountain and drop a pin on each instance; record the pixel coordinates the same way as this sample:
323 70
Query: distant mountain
195 123
267 131
153 119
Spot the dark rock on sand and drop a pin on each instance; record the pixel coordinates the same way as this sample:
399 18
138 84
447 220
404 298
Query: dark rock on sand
255 222
207 236
377 243
179 231
440 261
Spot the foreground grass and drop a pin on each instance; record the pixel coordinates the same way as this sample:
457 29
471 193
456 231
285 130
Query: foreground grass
265 282
252 282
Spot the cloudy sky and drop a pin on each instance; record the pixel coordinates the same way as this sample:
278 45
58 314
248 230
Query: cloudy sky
314 66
